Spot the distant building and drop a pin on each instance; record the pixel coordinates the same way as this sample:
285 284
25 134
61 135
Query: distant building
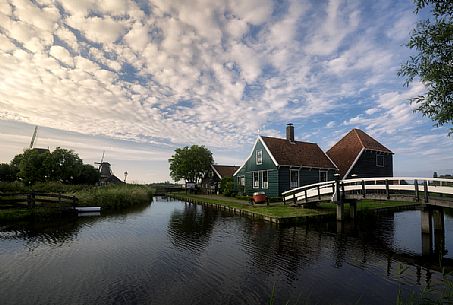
276 165
211 183
359 155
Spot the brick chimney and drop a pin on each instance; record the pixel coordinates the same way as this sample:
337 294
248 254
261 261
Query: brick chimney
290 132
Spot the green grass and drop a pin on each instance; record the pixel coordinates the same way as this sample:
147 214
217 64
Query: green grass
111 197
278 210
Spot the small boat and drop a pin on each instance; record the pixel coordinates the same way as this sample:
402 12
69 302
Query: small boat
87 209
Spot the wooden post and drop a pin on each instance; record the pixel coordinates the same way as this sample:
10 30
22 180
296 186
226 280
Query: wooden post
343 195
306 198
425 190
33 196
319 193
417 193
387 190
294 198
284 200
363 189
59 198
29 200
74 201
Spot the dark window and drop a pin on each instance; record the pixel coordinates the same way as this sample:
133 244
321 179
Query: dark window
322 176
294 178
380 160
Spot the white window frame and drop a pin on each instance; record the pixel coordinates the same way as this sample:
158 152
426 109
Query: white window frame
327 176
256 183
291 186
383 160
265 185
259 157
242 180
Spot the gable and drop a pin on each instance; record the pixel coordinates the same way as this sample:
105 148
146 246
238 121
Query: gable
268 160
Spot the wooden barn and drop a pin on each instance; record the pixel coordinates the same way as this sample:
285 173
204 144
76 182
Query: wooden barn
276 165
359 155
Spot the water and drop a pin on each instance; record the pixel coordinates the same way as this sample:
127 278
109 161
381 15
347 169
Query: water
174 253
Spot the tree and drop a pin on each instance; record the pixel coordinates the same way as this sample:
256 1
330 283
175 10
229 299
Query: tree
31 169
63 165
190 164
88 175
433 65
7 173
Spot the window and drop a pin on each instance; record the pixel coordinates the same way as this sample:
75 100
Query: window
264 179
294 178
380 160
241 180
259 157
256 180
322 176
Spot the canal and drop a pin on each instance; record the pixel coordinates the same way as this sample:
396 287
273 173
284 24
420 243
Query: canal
170 252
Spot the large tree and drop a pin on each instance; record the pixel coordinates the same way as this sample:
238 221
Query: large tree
190 163
433 64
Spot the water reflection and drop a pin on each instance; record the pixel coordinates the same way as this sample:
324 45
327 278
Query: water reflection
172 252
191 227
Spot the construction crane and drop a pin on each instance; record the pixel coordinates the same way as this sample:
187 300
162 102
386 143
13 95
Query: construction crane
33 138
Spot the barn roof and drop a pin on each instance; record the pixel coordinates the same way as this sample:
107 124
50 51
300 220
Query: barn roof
345 152
224 170
297 153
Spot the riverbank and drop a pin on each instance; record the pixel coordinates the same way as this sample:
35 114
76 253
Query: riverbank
110 197
280 213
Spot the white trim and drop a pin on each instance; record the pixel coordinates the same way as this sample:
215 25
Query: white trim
256 156
268 151
262 179
355 161
216 172
383 160
331 161
251 154
253 179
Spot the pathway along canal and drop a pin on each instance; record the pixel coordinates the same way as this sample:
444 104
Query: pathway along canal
170 252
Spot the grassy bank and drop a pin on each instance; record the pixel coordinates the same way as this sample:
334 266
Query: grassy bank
114 197
280 211
111 197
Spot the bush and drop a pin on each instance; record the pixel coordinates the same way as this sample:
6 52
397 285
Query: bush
227 186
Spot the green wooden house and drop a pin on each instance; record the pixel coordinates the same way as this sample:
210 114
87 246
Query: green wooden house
276 165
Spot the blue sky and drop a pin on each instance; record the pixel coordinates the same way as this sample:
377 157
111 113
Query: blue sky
141 78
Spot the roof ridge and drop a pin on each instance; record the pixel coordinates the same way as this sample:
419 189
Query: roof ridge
358 136
295 141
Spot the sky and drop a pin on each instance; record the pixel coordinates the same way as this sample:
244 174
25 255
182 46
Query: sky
138 79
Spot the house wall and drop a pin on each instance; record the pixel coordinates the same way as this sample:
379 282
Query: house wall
306 176
365 166
251 166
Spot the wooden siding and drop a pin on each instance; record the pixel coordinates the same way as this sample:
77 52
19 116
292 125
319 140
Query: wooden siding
306 176
365 166
251 166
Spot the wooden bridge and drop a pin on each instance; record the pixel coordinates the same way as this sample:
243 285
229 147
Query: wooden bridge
432 194
432 191
32 199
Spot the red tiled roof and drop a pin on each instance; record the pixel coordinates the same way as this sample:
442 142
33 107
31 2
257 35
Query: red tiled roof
345 151
225 170
297 153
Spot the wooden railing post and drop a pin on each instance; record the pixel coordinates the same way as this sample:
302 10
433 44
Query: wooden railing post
425 190
306 198
294 198
343 194
74 201
417 192
363 189
387 190
319 192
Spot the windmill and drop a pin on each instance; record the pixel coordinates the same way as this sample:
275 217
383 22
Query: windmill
104 167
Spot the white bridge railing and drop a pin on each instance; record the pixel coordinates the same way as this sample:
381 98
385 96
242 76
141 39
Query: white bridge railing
361 187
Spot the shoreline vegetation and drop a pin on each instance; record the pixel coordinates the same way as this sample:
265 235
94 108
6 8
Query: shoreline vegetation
280 213
109 197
